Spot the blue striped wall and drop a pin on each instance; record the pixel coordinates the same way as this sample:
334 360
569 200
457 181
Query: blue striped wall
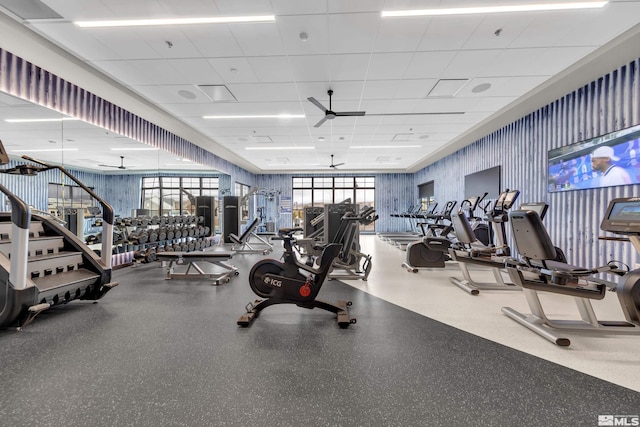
608 104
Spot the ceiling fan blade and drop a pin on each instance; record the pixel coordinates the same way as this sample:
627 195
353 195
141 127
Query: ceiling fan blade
417 114
350 113
317 103
109 166
317 125
338 164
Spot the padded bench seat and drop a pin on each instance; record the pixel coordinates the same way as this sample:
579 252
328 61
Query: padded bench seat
191 259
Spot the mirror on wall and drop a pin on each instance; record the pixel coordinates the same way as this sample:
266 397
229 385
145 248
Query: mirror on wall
171 182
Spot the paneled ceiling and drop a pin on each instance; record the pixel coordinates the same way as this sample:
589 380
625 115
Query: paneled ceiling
391 68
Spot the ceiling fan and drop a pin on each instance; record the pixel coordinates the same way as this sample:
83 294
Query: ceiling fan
334 166
330 114
122 166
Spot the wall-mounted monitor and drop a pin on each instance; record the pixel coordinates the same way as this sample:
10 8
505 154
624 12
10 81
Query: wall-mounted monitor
603 161
485 181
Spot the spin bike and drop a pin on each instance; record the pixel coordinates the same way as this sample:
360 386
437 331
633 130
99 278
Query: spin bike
293 282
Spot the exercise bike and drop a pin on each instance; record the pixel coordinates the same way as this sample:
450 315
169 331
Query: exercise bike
293 282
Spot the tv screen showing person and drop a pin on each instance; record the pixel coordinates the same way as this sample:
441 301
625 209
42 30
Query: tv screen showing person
604 161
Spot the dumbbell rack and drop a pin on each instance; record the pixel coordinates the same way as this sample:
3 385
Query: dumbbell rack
145 236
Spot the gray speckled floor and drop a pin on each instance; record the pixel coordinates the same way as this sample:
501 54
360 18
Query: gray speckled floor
169 353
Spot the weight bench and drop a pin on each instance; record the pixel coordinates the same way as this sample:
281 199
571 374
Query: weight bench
191 259
242 243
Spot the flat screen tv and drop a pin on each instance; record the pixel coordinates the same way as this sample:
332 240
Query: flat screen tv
603 161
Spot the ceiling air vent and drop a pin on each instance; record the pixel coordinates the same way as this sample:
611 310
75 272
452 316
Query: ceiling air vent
217 93
261 139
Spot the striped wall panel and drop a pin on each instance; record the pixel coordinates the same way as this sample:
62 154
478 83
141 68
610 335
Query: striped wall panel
22 79
608 104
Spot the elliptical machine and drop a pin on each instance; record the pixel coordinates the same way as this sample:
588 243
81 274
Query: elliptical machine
285 282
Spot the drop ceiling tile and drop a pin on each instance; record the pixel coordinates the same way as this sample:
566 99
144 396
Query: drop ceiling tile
388 66
264 92
315 26
258 39
298 7
350 33
468 63
234 70
399 35
351 6
213 41
498 31
532 62
234 7
502 86
169 94
439 34
427 65
271 69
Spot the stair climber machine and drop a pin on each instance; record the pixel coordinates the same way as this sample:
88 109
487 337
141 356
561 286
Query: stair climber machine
293 282
43 264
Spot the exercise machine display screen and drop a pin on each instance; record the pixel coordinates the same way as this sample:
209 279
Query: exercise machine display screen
509 199
623 216
540 208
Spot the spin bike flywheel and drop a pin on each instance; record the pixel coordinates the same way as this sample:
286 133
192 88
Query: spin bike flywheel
257 272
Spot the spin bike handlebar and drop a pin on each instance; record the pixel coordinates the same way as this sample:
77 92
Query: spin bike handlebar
286 233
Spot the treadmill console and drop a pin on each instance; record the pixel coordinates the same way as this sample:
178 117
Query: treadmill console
623 216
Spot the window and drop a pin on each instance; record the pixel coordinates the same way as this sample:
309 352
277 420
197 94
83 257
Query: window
319 191
174 195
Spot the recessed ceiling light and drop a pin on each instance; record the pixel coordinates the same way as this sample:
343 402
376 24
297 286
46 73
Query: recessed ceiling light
62 119
44 150
493 9
481 87
321 138
263 116
304 36
386 146
279 148
174 21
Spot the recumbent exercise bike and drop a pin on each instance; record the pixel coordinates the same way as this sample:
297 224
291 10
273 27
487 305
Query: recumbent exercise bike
286 282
